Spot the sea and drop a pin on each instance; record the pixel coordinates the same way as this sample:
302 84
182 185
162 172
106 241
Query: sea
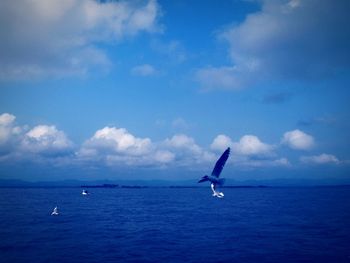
272 224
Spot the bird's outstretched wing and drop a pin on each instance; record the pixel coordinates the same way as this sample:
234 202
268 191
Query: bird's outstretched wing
220 163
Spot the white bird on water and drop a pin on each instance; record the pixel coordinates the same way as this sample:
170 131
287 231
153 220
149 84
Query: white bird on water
214 177
55 211
84 192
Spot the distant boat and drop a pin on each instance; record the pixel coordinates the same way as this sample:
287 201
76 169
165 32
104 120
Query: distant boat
84 192
55 212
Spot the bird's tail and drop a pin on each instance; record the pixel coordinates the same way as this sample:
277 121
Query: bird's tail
221 181
203 179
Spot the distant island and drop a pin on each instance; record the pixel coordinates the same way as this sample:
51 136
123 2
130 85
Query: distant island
112 186
100 186
139 184
168 186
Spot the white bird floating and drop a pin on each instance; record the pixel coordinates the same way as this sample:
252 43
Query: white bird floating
55 211
84 192
214 177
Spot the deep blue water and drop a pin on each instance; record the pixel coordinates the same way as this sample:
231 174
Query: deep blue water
175 225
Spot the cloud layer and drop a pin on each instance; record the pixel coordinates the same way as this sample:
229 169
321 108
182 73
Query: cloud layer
248 145
320 159
9 133
46 140
6 127
295 40
38 32
117 147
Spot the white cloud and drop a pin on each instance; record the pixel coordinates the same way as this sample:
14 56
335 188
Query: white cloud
144 70
320 159
163 156
116 146
282 162
294 39
249 152
59 38
248 145
298 140
186 150
182 141
221 142
251 145
6 119
36 144
10 134
108 146
6 127
252 163
46 140
118 141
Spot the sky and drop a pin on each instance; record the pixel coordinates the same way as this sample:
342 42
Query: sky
159 89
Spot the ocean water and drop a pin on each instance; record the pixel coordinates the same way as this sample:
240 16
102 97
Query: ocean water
175 225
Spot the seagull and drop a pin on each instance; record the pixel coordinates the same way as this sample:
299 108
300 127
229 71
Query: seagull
84 192
55 211
214 177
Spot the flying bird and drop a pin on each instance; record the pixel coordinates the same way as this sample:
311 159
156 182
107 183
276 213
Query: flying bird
214 177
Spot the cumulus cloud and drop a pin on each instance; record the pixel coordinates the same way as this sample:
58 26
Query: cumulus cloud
296 40
46 140
221 142
118 140
116 146
163 156
6 127
9 133
7 119
249 152
251 145
247 145
108 146
298 140
60 38
22 142
182 141
144 70
186 150
320 159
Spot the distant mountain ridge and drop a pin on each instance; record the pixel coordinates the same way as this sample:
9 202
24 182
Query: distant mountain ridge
192 182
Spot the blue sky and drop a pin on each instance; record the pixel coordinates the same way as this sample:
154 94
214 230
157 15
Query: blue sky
158 89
